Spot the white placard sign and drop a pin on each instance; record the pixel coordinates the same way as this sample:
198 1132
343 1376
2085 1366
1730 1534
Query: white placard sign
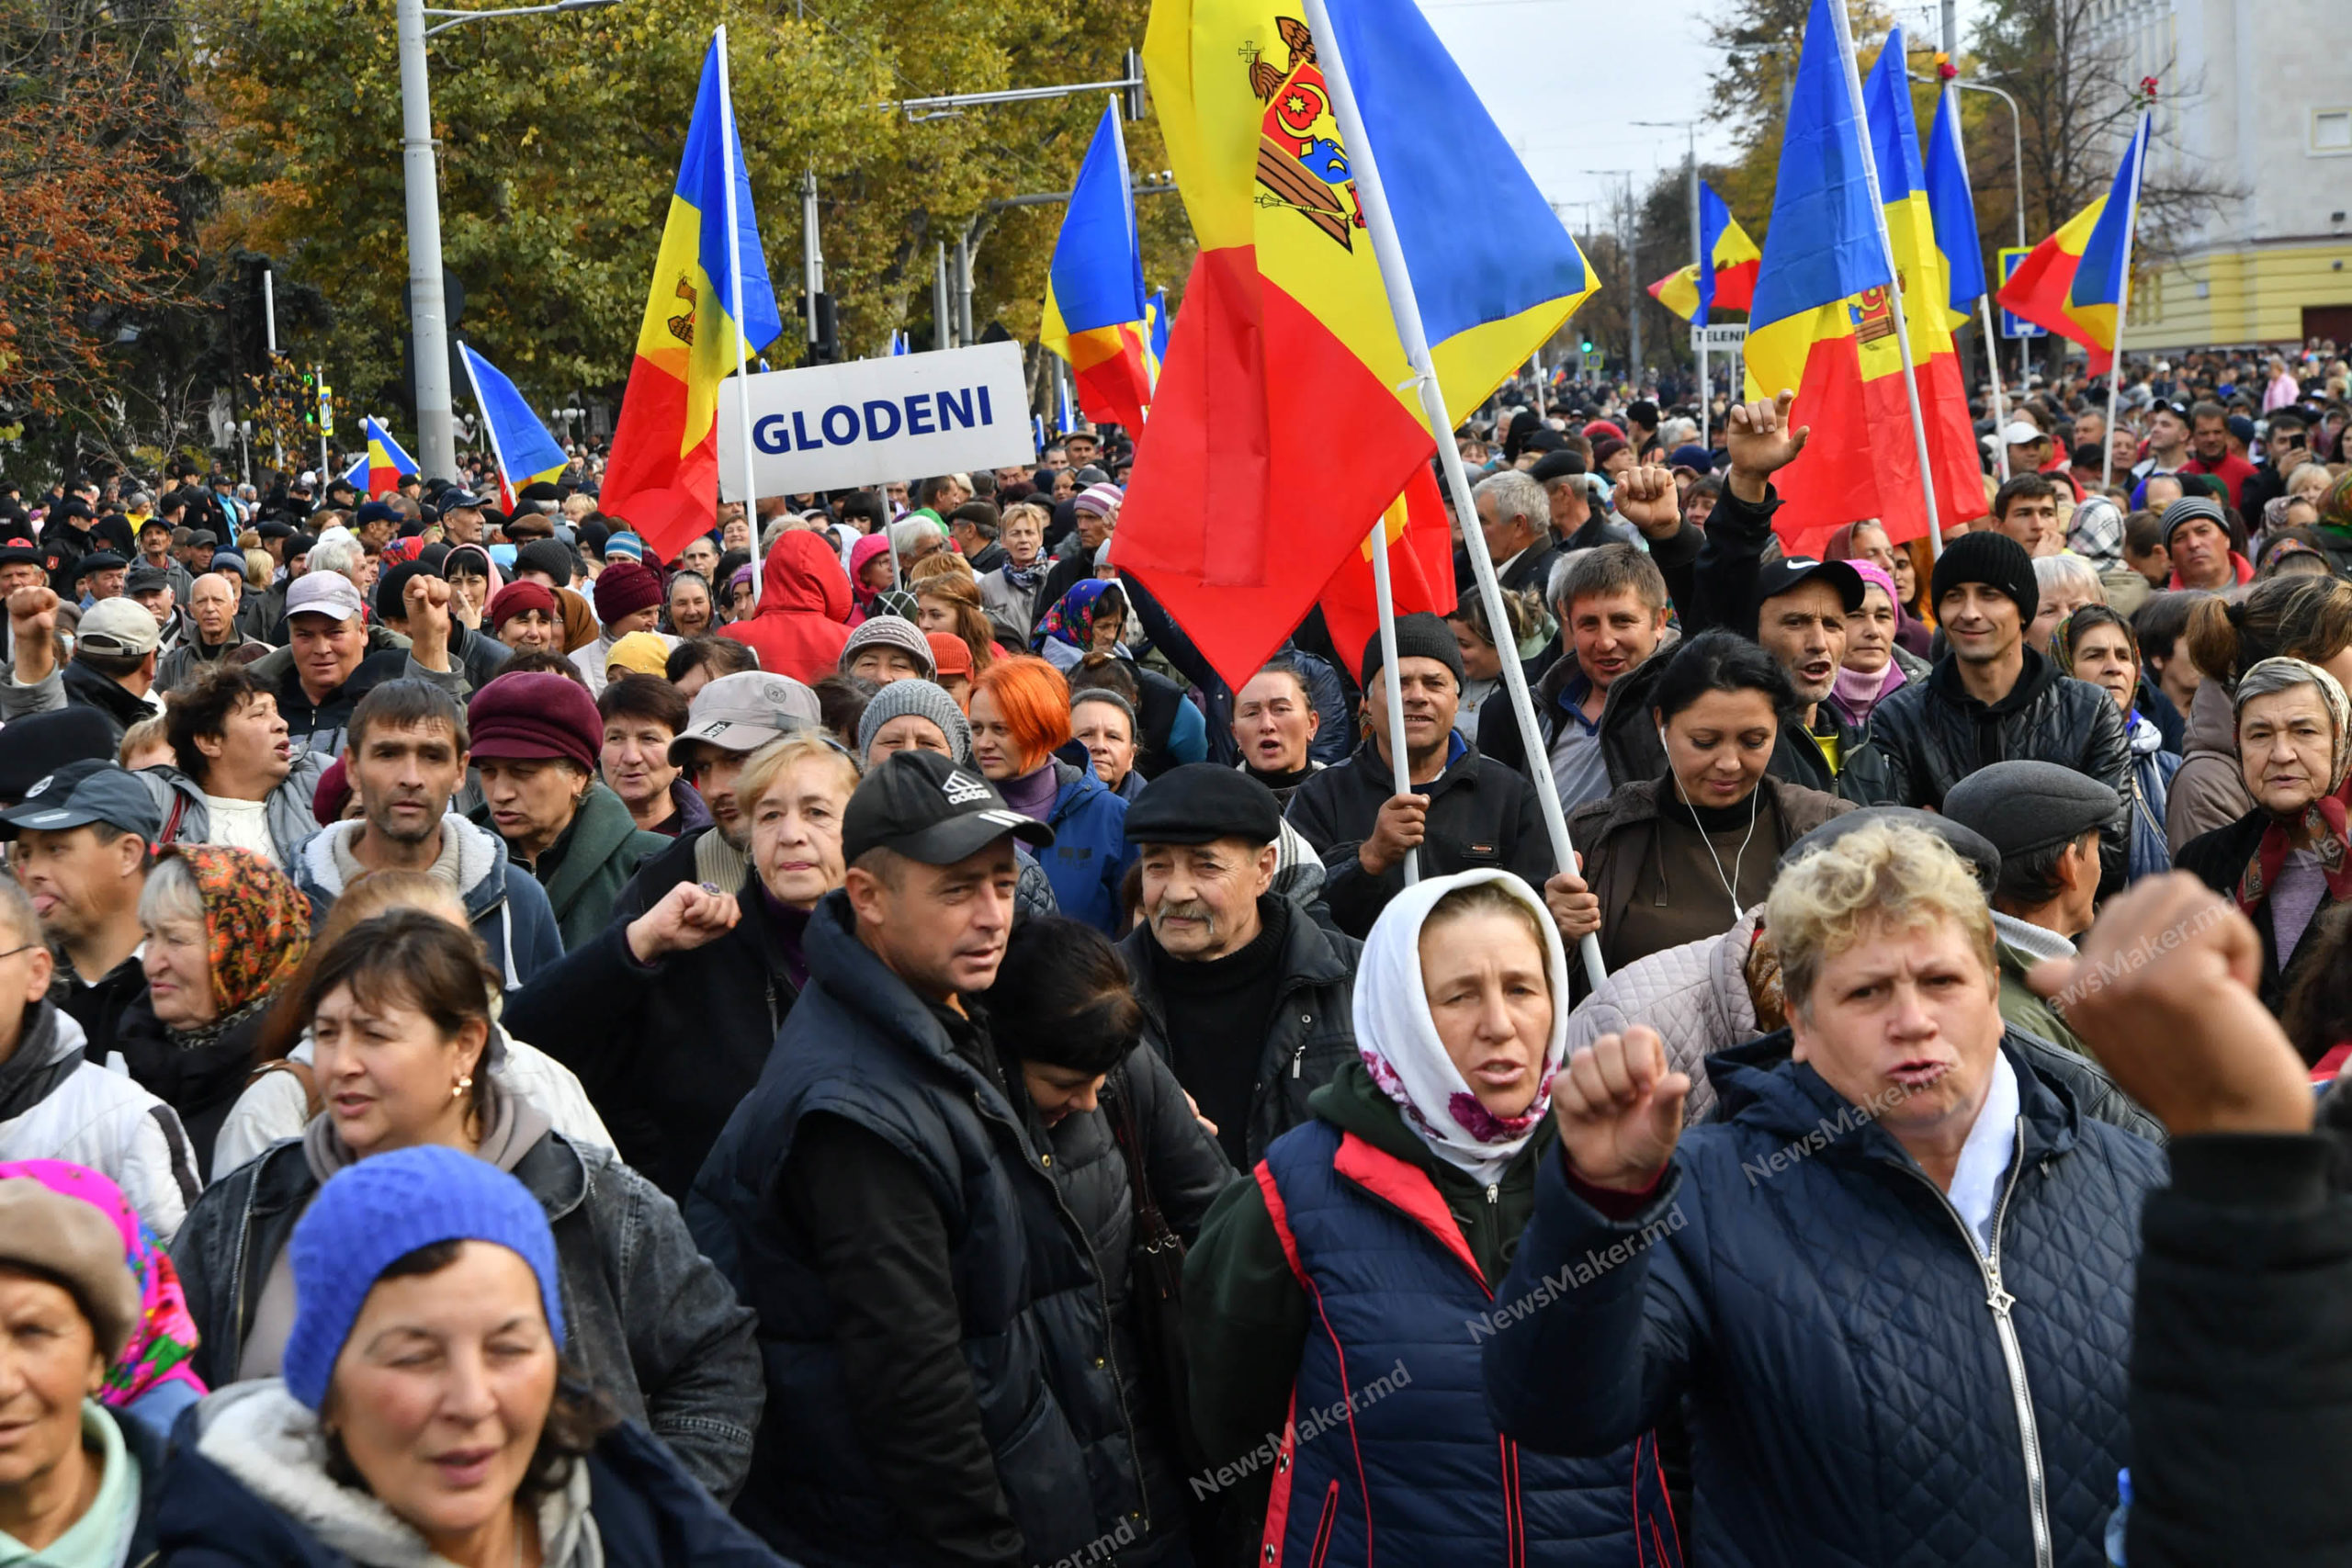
901 417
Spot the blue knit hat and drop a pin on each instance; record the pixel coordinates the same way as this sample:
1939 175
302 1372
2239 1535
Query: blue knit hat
627 545
371 1214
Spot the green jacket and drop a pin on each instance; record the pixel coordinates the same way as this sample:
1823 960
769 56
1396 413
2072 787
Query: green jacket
584 871
2021 1009
1246 1317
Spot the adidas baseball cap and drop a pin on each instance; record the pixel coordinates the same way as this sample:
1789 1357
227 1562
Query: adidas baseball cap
932 809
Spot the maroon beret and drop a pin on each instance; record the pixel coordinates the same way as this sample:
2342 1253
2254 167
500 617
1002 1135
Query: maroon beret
333 794
515 598
535 715
625 586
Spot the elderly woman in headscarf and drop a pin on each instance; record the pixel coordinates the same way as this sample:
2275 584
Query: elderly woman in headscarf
2097 645
1876 663
224 928
1867 542
1334 1288
77 1479
1090 618
150 1376
2288 859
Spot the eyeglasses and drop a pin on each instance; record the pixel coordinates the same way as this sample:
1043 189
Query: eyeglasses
26 947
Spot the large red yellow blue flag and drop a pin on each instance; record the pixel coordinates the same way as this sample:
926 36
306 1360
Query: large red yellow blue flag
1823 322
1726 280
2073 284
663 475
1919 272
1096 317
1286 420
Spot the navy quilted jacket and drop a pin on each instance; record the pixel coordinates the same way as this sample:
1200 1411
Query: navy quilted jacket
1391 1457
1863 1390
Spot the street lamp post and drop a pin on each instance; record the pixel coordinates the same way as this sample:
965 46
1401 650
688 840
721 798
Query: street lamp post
437 446
2017 167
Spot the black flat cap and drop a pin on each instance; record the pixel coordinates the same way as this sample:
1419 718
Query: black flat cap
1971 846
1201 803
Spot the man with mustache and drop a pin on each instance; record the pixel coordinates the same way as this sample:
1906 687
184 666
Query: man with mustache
1249 1002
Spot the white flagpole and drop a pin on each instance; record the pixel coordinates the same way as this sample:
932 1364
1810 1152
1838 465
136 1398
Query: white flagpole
496 453
2123 294
1895 283
1405 306
1386 606
735 306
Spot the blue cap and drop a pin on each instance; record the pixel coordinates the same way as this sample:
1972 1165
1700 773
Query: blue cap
371 1214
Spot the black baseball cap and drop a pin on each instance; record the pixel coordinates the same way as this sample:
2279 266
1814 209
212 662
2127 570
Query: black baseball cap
931 808
80 793
1776 578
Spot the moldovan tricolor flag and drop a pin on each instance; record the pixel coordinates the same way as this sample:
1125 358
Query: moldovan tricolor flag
2074 281
1287 422
663 475
1918 268
1822 324
1727 280
1095 315
527 454
387 463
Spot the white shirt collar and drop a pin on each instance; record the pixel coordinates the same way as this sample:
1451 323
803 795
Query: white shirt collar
1984 1157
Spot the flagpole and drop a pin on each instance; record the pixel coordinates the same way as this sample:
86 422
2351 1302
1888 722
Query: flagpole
1894 282
1947 105
1535 363
1386 605
2123 294
735 308
1405 306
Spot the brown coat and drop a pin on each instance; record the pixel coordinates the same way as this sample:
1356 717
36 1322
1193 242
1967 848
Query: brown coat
1618 837
2208 791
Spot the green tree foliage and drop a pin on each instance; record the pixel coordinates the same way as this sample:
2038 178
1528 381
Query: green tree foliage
559 140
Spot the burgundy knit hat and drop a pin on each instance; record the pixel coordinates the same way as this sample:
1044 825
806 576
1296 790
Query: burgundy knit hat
515 598
535 715
625 586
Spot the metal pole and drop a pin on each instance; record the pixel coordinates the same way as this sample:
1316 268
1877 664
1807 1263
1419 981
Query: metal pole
2123 295
964 287
1698 260
1632 296
812 259
1405 306
1894 284
436 448
1535 363
942 335
1992 358
269 311
741 350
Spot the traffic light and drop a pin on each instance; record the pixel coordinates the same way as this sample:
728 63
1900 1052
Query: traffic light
310 404
825 348
1132 104
1587 345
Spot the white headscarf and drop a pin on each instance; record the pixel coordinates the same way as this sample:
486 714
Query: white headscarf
1399 1044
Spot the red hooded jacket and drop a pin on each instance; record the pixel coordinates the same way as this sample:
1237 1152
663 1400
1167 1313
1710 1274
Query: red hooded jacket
804 597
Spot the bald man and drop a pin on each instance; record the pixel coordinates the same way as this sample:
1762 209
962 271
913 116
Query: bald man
212 609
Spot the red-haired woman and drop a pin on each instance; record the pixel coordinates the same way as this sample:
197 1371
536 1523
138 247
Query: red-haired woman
1020 718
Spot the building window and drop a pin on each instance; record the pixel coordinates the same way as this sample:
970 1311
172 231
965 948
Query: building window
2332 133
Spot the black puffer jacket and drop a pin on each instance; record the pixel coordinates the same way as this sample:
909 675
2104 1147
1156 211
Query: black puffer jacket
1863 1385
1314 1030
1935 734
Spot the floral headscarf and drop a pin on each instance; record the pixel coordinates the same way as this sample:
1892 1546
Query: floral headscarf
1399 1044
257 924
1072 620
2336 505
163 1341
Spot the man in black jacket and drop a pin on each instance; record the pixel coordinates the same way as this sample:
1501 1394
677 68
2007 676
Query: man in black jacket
1992 699
1249 1002
929 1305
1463 813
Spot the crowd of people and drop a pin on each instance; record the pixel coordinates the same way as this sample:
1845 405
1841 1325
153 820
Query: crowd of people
844 1041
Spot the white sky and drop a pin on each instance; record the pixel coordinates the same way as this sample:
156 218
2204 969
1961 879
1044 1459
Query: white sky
1563 78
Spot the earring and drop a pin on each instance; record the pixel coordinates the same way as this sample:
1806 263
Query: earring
464 1083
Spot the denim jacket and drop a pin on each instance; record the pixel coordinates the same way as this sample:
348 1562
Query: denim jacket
652 1326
